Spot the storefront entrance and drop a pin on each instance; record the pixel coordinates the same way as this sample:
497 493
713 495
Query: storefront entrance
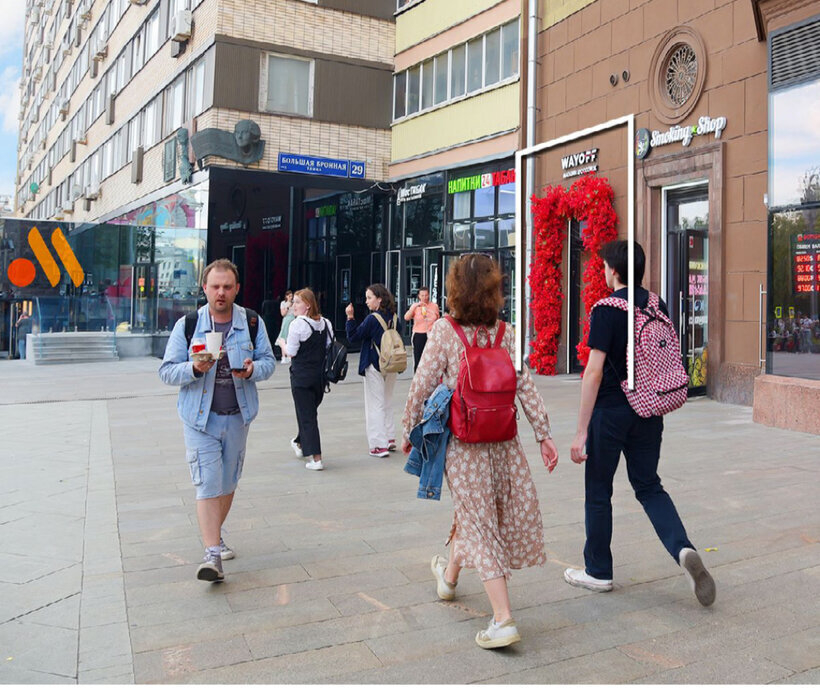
687 277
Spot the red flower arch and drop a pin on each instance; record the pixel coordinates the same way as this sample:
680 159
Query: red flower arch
589 200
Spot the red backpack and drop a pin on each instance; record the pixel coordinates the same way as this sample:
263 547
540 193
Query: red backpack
483 405
661 381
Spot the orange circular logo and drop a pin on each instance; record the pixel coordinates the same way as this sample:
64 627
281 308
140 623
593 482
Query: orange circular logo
21 272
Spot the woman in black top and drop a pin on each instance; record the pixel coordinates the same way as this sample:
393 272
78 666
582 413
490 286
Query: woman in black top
309 337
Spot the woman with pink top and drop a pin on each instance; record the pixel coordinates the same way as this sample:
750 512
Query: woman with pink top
423 313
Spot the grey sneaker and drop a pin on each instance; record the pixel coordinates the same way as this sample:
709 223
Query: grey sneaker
210 569
581 579
498 635
701 582
225 551
445 590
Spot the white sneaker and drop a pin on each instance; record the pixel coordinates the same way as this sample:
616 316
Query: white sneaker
225 551
297 448
445 590
498 635
314 465
701 582
581 579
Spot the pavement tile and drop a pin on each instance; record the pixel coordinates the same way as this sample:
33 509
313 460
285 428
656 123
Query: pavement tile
64 613
35 647
171 664
797 651
11 674
804 678
719 667
324 665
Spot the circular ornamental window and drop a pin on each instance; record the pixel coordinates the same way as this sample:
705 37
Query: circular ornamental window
677 74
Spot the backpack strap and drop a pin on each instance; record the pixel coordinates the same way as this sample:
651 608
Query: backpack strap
614 301
253 324
502 327
457 328
381 320
191 320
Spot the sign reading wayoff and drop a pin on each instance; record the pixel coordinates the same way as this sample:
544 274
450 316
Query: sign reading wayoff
481 181
326 167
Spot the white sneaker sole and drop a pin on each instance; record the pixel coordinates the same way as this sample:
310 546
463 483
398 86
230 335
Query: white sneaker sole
226 556
700 580
602 587
495 643
443 590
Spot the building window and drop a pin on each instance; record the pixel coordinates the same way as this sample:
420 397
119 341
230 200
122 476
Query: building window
793 320
288 85
467 68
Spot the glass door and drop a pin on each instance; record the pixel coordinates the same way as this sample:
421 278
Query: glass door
144 312
344 291
687 279
412 279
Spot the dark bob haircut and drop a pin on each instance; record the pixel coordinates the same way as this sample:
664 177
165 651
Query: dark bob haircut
615 253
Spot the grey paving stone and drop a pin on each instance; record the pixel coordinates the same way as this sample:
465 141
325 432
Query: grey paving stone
63 614
11 674
35 647
810 677
797 651
735 667
172 664
315 666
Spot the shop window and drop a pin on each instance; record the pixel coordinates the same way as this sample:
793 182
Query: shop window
485 202
427 84
422 221
506 232
506 199
461 237
461 205
485 234
399 95
288 83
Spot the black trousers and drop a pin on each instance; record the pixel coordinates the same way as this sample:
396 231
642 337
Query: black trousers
613 431
419 342
306 399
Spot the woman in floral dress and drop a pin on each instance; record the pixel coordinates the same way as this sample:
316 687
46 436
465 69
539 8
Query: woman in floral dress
497 521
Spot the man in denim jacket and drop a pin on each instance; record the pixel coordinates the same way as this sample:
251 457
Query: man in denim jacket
217 402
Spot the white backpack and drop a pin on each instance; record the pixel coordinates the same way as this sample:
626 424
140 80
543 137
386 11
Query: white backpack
392 354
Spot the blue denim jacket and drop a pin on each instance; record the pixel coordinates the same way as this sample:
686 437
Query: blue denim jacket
196 393
429 439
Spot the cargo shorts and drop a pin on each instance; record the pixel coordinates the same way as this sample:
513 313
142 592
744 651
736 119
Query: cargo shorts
216 455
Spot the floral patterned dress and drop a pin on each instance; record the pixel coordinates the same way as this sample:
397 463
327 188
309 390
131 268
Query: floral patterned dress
497 521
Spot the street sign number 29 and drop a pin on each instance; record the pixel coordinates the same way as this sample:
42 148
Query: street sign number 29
357 170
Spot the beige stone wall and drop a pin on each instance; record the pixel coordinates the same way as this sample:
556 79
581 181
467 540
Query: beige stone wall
307 137
307 26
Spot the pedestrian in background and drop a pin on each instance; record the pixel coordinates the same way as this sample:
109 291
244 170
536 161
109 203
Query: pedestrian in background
286 310
497 521
378 389
23 325
608 426
309 337
423 313
217 403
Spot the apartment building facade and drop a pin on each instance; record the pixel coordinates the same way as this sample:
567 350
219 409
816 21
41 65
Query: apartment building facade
725 177
455 125
197 129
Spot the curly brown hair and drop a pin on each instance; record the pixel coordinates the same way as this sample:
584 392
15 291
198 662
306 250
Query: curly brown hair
388 303
474 290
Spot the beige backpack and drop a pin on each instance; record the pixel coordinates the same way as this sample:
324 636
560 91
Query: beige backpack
392 354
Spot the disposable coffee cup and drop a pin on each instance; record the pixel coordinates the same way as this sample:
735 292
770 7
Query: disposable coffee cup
213 342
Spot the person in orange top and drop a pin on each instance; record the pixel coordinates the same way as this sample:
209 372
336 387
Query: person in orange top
423 313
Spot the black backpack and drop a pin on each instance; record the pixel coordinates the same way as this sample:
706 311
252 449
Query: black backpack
335 368
192 318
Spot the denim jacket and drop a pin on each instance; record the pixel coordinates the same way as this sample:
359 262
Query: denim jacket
196 393
429 439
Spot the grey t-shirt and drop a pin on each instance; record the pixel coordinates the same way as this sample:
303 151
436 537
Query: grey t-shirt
224 390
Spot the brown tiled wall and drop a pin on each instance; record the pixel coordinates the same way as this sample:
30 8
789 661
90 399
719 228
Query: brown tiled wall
579 54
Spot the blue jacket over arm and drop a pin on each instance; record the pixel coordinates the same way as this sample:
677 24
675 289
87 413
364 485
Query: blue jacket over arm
429 439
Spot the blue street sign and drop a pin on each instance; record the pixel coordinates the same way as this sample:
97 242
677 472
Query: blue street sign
327 167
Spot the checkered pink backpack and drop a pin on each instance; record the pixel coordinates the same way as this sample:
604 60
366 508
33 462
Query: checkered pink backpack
661 381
